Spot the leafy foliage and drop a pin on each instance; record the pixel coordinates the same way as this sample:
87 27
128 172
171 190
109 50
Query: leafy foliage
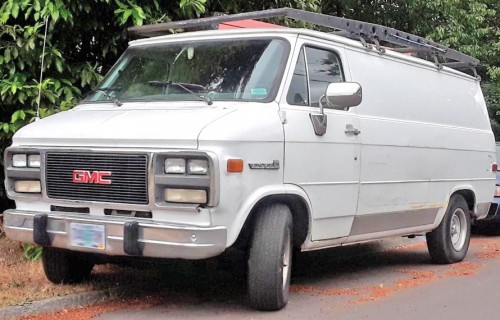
84 39
193 7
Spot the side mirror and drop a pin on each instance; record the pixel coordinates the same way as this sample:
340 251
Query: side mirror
343 95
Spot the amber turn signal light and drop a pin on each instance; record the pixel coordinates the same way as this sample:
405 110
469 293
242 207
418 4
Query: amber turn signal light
235 165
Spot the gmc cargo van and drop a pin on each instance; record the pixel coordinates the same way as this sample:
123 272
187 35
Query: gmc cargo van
262 140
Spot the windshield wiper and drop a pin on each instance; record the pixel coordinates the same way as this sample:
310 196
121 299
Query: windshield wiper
105 92
183 87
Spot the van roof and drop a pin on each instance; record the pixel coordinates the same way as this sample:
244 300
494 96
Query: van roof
370 35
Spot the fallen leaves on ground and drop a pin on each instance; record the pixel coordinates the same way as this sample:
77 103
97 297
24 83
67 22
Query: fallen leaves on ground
89 312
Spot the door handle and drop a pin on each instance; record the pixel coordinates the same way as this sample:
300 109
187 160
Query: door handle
349 129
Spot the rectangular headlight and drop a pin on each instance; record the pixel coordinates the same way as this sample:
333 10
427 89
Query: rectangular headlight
186 196
34 160
27 186
19 160
197 166
175 165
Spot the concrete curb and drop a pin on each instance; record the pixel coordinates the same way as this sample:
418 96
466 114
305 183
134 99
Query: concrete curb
58 303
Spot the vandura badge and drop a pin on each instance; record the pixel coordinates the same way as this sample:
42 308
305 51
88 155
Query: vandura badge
268 166
96 177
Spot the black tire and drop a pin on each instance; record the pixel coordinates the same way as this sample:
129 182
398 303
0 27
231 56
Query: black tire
270 258
449 242
64 266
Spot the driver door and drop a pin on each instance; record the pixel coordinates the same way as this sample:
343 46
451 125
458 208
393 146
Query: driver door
326 166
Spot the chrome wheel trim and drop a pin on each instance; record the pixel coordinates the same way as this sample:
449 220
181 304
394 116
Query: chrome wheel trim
458 229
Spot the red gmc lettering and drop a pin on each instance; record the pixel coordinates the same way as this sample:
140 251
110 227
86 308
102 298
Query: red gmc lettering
97 177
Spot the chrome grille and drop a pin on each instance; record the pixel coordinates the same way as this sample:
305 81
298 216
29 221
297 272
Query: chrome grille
129 182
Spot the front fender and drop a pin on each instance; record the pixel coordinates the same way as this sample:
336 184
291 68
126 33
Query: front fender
254 198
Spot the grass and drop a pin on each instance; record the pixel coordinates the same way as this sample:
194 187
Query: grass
23 281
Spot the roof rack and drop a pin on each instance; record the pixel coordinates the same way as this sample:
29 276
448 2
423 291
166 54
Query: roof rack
368 33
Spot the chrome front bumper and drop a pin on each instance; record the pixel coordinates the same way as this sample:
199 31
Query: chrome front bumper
123 236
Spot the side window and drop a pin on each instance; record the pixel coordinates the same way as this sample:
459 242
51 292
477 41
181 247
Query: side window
297 93
323 67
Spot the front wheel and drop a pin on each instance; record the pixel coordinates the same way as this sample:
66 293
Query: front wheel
270 258
449 242
64 266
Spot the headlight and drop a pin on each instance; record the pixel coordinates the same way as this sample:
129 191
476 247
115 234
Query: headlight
175 165
19 160
186 196
185 178
497 191
27 186
34 160
23 160
197 166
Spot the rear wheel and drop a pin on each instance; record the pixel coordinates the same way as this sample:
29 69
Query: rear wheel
449 242
270 258
64 266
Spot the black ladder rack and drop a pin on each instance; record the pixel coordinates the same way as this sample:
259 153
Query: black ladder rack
369 34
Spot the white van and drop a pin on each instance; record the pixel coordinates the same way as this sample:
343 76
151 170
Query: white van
264 140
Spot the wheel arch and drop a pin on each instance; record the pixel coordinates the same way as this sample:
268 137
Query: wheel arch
468 193
301 215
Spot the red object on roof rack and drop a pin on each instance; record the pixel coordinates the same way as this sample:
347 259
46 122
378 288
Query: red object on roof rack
247 24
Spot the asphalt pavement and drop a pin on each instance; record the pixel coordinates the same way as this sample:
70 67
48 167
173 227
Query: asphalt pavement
470 297
389 279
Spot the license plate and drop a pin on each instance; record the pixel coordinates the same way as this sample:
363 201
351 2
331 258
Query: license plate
88 236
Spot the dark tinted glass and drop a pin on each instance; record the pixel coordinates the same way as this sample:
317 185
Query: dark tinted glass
324 68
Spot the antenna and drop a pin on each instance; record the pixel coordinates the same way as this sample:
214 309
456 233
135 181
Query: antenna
37 117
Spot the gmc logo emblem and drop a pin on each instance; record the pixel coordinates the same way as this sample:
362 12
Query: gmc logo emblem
97 177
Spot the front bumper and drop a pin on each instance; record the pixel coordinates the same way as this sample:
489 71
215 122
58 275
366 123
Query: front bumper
123 236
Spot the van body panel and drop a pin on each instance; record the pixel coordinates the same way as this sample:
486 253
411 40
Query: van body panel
232 138
423 134
261 144
331 185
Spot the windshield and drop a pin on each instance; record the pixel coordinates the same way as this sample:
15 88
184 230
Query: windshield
246 69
